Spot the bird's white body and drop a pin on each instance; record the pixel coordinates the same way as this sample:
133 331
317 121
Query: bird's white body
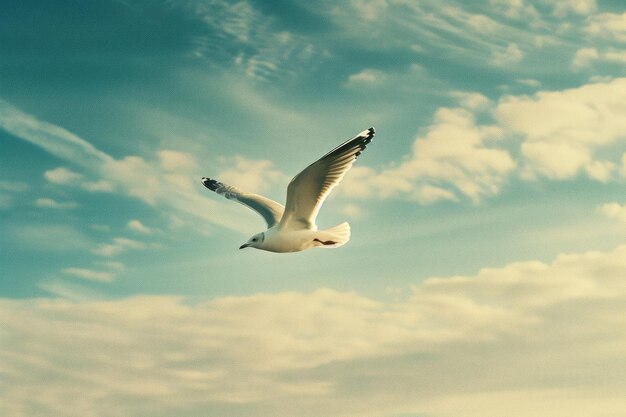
291 228
280 240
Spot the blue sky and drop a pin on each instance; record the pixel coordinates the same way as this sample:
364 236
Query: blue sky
489 209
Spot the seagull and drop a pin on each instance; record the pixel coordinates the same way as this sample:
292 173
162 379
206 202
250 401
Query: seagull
291 228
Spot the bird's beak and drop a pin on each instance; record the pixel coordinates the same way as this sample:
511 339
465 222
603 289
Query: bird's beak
245 245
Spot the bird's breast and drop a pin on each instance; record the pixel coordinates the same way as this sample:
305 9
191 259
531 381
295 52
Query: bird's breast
288 240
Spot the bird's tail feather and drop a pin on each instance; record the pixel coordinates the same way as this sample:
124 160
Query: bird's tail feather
333 237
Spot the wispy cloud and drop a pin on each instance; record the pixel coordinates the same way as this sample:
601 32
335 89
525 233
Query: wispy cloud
8 191
69 289
562 322
153 182
454 29
53 204
56 140
13 186
67 177
516 9
246 38
579 7
530 82
512 54
89 274
138 227
62 176
366 78
118 245
49 237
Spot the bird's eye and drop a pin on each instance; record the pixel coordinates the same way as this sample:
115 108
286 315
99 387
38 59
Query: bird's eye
254 240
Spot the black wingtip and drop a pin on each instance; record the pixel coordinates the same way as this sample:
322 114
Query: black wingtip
361 140
370 135
211 184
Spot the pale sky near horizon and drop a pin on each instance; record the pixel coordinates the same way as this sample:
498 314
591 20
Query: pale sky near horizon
486 272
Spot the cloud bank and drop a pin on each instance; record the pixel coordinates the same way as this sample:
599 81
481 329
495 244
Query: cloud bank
554 135
527 339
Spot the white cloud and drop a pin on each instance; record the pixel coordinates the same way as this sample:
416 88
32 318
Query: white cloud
512 54
63 176
89 274
616 56
561 130
181 192
176 161
427 194
53 204
527 330
416 47
454 158
471 101
584 57
69 289
117 246
516 9
600 79
601 171
608 25
250 175
136 226
137 177
366 78
482 23
614 210
560 134
580 7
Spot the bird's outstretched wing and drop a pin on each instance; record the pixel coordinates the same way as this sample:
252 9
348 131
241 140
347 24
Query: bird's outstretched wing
269 209
308 190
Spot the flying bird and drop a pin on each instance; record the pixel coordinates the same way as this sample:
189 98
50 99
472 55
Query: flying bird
291 228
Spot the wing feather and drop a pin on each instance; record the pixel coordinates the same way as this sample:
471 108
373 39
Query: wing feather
269 209
308 190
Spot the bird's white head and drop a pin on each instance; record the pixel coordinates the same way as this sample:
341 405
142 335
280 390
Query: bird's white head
255 241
